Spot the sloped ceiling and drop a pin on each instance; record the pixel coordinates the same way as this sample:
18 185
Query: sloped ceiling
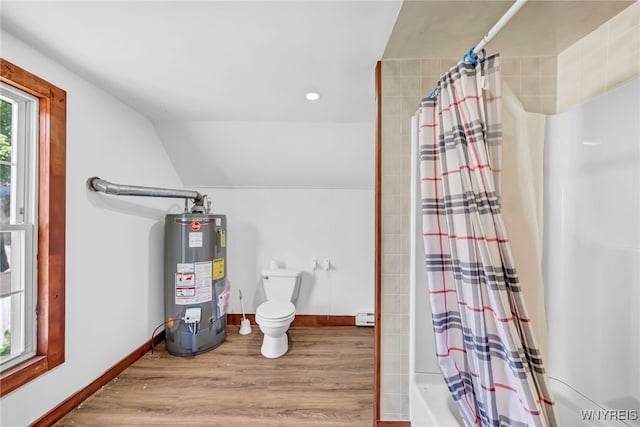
271 154
218 60
224 81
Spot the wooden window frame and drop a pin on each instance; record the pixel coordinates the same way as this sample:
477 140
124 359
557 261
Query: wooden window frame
50 305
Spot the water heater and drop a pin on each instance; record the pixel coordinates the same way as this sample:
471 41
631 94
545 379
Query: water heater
196 290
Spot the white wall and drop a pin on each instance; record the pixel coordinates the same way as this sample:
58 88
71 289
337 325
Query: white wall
234 154
293 192
114 285
295 226
592 247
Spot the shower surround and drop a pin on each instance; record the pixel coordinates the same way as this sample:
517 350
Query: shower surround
541 84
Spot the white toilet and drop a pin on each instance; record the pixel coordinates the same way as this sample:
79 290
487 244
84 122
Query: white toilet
276 314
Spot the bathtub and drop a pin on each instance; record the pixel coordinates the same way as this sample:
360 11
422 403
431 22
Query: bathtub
433 406
591 268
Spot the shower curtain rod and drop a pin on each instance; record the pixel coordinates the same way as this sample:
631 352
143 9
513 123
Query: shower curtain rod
515 7
472 55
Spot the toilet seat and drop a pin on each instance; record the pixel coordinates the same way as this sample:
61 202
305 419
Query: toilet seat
275 312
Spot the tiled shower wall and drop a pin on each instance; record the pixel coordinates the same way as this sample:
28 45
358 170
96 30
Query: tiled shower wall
602 60
404 83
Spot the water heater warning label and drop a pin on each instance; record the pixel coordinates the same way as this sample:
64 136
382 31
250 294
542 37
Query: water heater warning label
185 268
195 239
196 286
218 268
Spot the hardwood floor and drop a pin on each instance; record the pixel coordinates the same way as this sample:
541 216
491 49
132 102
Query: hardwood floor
326 379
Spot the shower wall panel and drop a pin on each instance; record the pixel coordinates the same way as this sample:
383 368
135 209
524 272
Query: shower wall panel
592 247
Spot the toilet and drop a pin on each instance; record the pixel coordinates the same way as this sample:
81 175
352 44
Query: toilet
276 314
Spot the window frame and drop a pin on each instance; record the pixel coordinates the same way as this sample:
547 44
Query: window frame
23 215
51 177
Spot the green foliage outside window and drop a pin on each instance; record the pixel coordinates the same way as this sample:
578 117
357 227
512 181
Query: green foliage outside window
5 141
5 348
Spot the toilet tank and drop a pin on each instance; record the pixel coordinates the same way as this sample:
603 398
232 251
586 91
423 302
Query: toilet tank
281 284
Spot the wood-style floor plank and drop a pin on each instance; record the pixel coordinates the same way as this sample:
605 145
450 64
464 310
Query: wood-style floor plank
326 379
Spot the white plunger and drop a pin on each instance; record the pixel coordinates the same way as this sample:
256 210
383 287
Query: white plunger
245 325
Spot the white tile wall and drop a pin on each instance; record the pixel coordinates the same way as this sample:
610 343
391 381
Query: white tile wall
396 86
602 60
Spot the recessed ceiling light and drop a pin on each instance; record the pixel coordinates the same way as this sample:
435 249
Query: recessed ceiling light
313 96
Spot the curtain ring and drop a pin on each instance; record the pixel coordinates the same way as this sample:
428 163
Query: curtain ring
484 55
473 58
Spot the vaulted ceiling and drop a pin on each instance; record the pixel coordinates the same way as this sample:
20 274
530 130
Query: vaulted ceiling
255 60
199 69
218 60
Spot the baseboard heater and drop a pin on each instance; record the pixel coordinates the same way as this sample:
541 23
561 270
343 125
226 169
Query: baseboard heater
365 319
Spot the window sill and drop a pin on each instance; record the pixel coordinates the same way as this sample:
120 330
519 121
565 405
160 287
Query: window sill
23 372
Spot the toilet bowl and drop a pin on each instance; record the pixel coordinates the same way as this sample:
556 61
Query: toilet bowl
274 319
276 314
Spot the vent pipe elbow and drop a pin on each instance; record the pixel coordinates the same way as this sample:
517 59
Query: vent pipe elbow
97 184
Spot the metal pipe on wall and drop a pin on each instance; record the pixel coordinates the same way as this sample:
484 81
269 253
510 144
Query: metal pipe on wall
98 184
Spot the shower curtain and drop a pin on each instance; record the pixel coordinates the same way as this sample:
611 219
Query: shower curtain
485 344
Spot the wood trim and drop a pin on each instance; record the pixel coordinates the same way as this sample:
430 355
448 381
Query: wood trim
22 373
301 320
51 226
378 242
76 399
393 423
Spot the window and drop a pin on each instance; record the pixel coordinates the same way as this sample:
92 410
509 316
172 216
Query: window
32 226
18 219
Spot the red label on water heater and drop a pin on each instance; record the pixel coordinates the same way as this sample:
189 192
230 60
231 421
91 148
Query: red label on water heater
195 226
202 221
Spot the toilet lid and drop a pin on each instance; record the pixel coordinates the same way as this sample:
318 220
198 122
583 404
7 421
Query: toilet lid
275 309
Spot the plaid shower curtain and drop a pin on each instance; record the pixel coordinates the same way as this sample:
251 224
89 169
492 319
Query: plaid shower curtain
484 341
